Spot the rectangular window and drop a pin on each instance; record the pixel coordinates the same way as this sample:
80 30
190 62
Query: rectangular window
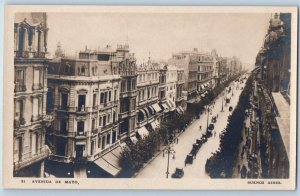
114 117
94 99
128 85
108 139
102 98
64 100
80 127
36 76
19 77
108 118
104 121
114 137
105 97
115 95
123 85
100 121
109 96
103 142
81 102
93 124
99 141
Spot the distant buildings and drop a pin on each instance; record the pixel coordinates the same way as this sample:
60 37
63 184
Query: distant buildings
271 98
30 119
198 72
203 71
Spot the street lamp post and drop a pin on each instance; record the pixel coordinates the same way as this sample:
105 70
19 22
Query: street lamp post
169 150
222 102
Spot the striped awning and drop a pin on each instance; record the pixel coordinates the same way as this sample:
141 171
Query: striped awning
143 132
156 107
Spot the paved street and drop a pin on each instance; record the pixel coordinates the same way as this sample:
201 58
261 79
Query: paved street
157 168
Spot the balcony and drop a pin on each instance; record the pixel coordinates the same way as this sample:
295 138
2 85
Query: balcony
29 158
36 118
38 86
63 133
18 123
123 114
107 105
94 131
29 54
63 108
178 99
81 134
106 127
20 88
96 108
59 158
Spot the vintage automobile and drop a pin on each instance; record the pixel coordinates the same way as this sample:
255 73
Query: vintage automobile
178 173
189 159
227 100
214 119
211 126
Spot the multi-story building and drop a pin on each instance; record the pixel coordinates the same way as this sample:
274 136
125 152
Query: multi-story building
234 65
149 112
84 98
128 71
220 68
271 98
179 99
198 72
30 119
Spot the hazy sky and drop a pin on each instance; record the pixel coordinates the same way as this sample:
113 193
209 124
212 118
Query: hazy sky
160 35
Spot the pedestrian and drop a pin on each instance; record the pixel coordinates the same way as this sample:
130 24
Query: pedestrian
239 167
217 116
214 133
177 140
200 128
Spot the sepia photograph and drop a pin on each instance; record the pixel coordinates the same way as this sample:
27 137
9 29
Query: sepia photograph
163 95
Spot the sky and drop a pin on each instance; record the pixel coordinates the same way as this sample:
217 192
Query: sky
159 35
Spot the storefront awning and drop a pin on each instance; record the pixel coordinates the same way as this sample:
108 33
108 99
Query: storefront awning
156 107
143 132
181 109
110 162
153 125
133 139
166 107
172 106
157 124
178 110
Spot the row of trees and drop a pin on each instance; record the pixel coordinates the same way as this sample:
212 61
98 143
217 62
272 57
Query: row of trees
135 155
220 165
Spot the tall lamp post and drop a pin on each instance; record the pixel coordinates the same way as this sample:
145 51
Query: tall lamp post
222 102
169 150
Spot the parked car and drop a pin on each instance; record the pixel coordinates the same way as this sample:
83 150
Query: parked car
178 173
189 159
214 119
211 126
